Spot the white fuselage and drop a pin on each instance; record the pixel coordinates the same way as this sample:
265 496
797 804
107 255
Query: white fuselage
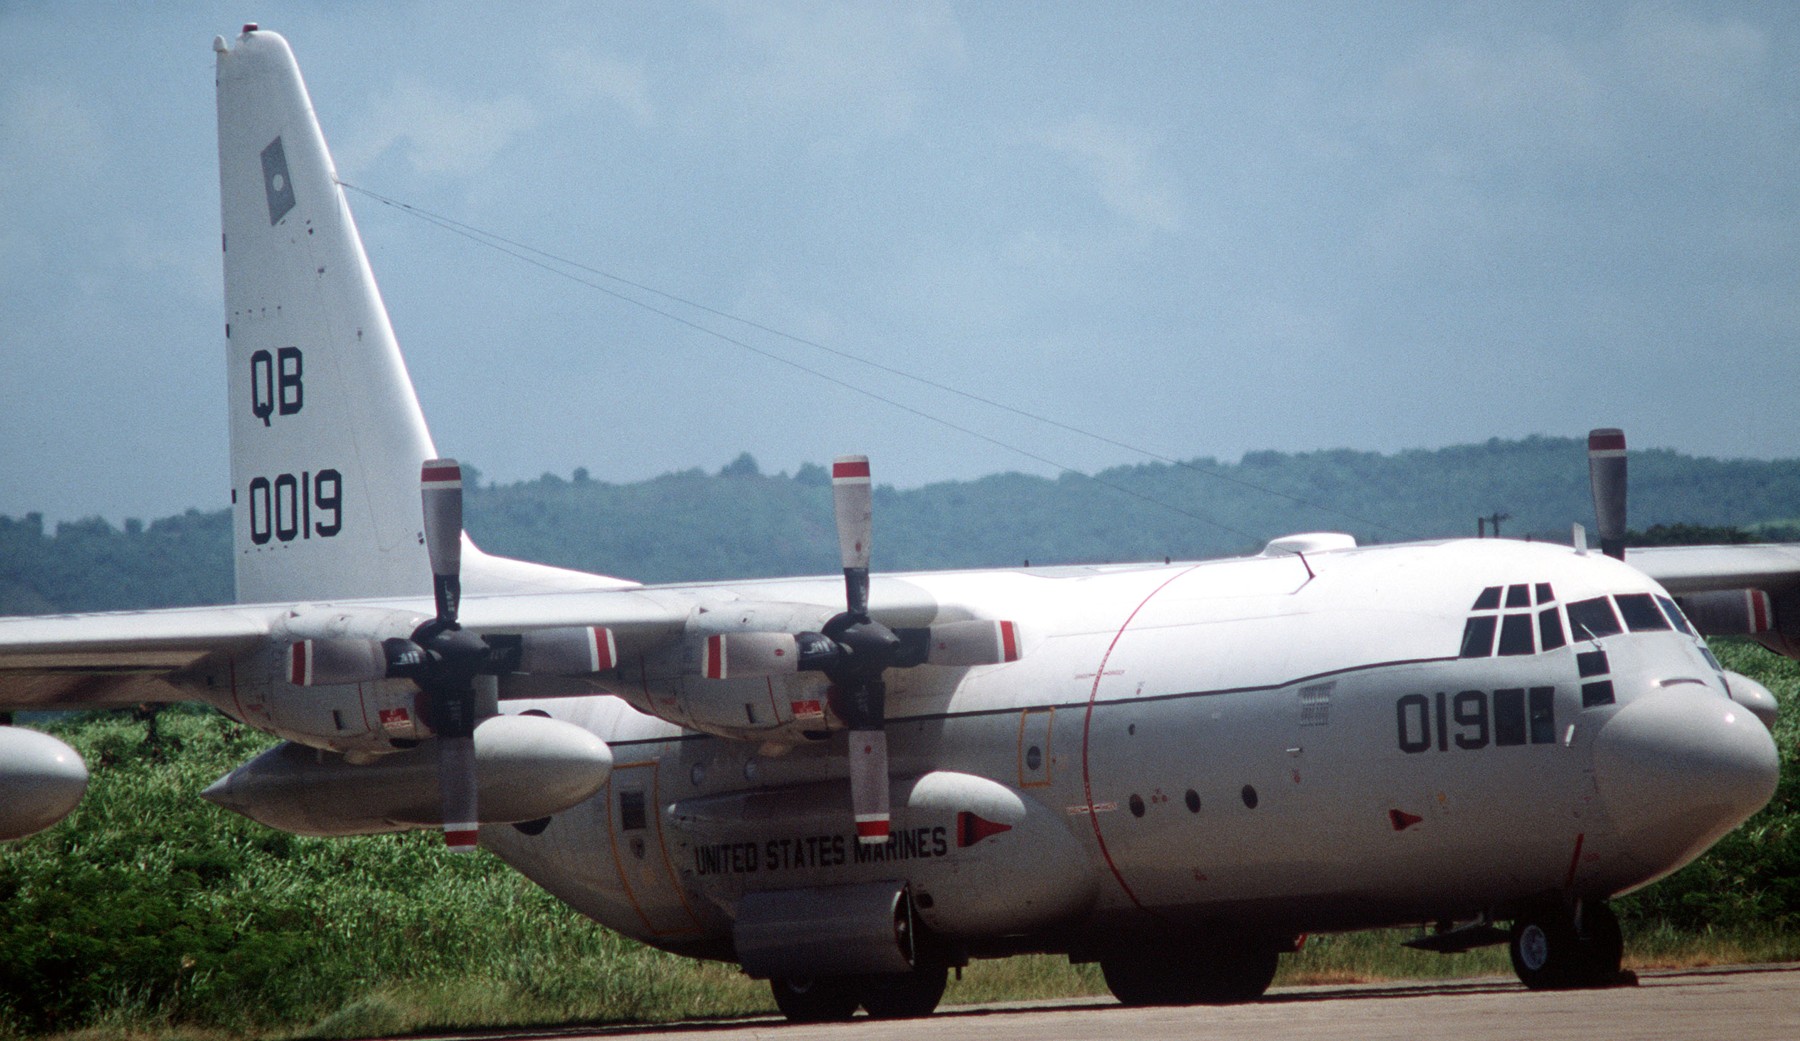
1288 744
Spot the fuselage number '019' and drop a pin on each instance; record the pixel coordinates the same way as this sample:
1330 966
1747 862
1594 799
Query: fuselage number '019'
303 506
1474 719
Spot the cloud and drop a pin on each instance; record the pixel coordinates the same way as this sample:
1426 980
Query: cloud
868 65
436 131
597 78
1125 174
1692 63
1477 100
49 124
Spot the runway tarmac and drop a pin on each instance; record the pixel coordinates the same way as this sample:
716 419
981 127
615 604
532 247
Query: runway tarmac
1735 1003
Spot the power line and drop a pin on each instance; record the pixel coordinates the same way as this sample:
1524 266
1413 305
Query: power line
548 261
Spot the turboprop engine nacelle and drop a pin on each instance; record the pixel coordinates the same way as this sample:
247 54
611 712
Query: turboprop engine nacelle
41 780
526 768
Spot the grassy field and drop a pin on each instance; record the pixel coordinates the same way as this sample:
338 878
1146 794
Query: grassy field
153 915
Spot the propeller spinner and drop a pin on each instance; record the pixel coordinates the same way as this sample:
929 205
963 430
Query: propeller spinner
443 659
854 651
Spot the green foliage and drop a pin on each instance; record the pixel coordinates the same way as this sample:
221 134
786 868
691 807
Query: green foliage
1751 879
150 907
89 565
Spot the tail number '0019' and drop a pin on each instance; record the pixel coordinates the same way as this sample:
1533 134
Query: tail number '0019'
289 507
1474 719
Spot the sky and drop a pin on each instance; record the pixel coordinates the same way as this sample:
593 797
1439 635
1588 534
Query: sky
1180 229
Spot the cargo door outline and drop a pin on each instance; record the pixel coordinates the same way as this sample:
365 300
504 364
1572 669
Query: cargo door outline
639 853
1036 763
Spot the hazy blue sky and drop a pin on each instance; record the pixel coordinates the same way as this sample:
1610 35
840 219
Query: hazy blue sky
1198 228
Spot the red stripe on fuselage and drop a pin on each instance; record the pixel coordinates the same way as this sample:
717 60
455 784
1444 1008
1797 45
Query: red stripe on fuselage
1087 722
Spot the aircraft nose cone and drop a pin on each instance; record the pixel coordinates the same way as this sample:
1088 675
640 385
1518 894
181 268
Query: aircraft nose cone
1679 767
41 780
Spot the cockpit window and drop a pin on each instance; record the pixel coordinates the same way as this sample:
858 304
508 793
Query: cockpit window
1641 614
1515 626
1550 630
1478 637
1589 619
1676 618
1515 634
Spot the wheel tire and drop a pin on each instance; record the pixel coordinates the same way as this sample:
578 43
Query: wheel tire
1217 970
822 999
1545 951
1548 952
1243 976
903 995
1602 947
1137 979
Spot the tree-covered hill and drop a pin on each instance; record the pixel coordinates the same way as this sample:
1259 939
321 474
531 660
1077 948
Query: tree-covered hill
739 522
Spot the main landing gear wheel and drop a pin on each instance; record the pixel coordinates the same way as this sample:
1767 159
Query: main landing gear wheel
1550 951
1216 971
904 995
822 999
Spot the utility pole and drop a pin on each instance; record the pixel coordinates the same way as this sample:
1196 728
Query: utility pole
1491 520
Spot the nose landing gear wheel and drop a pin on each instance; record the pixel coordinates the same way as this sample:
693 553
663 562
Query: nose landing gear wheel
1556 950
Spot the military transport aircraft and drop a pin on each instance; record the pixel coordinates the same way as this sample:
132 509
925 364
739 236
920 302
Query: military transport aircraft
848 785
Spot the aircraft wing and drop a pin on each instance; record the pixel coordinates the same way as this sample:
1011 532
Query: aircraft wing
1685 570
119 658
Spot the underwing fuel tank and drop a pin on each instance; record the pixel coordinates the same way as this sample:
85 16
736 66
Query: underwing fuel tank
526 768
41 780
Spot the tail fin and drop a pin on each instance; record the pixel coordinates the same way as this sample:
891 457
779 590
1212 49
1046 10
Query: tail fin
326 432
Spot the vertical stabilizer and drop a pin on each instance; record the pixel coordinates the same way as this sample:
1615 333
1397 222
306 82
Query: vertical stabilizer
326 432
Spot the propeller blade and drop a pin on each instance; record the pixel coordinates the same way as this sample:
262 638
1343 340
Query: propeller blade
455 726
863 705
869 785
456 783
1606 474
853 501
440 489
977 642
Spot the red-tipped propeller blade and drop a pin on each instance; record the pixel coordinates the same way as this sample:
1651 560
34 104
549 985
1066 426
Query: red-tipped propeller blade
448 683
440 490
1606 475
853 502
869 785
